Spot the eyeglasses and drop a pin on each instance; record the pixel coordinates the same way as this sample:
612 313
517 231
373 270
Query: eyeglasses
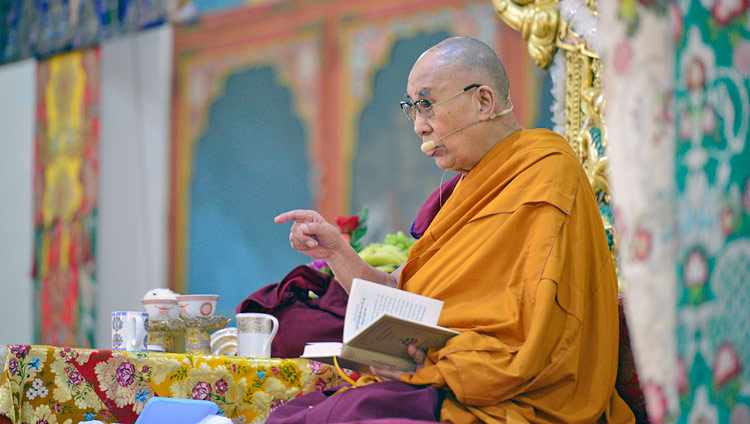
424 106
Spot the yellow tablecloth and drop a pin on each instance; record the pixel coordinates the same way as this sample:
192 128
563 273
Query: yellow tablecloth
65 386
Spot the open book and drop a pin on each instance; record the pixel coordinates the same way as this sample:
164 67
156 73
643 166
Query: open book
380 323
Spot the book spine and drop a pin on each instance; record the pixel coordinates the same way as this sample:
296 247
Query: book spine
377 359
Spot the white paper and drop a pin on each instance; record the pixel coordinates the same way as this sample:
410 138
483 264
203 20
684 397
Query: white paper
368 301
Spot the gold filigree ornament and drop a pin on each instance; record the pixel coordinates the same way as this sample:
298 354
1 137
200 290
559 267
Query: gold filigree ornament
537 21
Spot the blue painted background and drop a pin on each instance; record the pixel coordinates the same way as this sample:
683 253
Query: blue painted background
250 165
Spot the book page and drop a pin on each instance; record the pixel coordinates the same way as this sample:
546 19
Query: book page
368 301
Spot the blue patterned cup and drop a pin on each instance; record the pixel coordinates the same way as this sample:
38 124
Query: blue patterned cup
129 330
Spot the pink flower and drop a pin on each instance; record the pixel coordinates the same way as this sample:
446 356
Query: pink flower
42 421
727 221
275 370
320 264
316 367
740 414
234 368
695 74
13 366
656 402
686 126
221 387
75 377
696 269
58 407
20 350
145 369
201 391
725 10
667 111
275 404
676 23
726 364
708 120
124 374
105 413
741 57
320 385
682 378
623 57
642 244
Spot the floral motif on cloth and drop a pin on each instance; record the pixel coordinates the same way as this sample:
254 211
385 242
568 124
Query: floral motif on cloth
677 85
63 385
712 115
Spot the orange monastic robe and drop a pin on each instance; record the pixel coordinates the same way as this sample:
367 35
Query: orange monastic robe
519 255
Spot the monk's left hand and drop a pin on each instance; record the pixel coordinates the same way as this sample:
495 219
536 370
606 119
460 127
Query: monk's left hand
416 354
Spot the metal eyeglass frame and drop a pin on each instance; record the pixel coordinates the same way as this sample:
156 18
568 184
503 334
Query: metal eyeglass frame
424 106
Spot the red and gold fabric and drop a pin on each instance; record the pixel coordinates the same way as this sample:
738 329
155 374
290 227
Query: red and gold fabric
65 386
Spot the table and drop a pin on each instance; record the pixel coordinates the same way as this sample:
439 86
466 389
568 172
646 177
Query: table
69 385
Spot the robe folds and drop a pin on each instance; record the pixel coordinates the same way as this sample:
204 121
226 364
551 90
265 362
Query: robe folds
519 255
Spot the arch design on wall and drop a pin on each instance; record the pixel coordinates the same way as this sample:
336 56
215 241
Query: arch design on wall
367 44
328 54
200 79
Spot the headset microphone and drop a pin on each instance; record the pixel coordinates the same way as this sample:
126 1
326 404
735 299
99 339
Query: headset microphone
504 112
427 146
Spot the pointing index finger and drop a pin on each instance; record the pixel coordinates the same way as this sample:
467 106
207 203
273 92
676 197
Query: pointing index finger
297 215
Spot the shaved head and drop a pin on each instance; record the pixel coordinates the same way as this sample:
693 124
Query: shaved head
474 58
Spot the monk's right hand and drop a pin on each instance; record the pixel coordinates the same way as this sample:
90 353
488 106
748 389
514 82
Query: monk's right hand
311 234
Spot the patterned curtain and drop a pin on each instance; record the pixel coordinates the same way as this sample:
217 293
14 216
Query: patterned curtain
712 170
45 27
677 91
65 186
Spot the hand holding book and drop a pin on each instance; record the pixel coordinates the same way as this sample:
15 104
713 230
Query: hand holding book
418 355
380 325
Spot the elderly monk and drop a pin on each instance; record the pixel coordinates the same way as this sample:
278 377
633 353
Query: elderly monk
517 253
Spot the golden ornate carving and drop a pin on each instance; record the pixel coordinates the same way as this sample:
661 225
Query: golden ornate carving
546 31
537 21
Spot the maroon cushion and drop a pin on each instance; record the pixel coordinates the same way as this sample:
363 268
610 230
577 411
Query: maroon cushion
302 318
627 385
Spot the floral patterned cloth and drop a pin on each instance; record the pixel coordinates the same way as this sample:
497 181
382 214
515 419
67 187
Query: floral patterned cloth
639 91
712 118
677 84
65 386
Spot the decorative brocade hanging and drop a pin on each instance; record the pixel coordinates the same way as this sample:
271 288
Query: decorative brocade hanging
65 189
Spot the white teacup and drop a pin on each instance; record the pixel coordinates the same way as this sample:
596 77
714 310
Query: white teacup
161 309
130 330
197 305
255 332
